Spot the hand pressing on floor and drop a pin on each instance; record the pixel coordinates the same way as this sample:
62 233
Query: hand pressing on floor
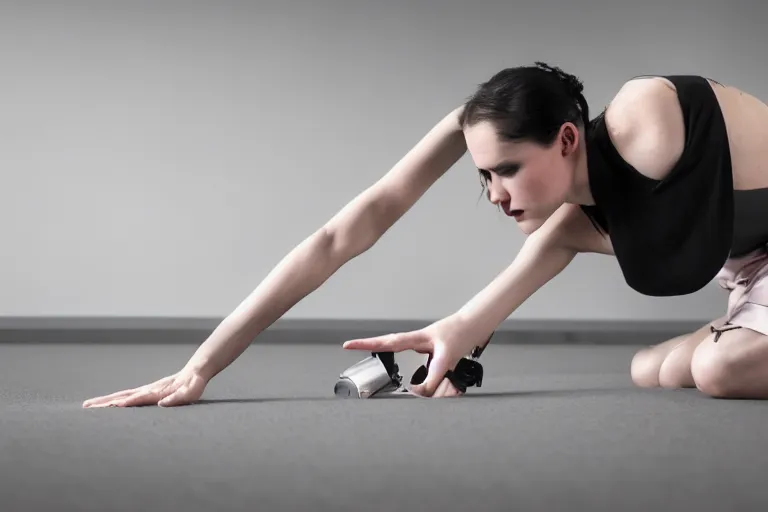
447 341
182 388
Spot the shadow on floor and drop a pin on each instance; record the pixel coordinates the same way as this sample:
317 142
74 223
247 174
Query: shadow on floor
215 401
475 395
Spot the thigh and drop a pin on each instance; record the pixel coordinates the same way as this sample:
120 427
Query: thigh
665 348
734 366
733 363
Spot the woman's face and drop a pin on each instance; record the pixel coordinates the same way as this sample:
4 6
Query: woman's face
529 181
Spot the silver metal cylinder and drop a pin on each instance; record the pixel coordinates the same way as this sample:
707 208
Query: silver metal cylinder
364 379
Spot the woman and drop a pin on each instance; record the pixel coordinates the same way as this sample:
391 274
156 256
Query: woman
671 178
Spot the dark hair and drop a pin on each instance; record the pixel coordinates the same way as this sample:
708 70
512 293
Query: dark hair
531 103
528 103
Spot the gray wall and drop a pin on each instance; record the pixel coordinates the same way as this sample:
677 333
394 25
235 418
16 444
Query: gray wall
158 158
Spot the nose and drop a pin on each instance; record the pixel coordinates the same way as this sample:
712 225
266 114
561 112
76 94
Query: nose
496 193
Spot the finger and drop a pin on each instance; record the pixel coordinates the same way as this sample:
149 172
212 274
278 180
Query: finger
178 397
435 375
107 399
145 395
138 399
388 342
100 400
451 391
446 389
443 389
151 396
396 342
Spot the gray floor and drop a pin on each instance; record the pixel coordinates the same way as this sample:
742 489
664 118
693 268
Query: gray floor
553 428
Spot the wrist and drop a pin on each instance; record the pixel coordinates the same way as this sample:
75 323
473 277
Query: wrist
475 333
201 366
473 322
456 116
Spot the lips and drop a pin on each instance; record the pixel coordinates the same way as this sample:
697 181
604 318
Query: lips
512 213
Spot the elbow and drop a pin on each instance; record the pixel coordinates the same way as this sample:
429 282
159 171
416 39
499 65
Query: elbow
349 237
327 241
342 245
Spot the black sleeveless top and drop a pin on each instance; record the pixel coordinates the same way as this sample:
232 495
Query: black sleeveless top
672 236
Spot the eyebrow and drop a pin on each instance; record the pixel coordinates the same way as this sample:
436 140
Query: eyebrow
502 167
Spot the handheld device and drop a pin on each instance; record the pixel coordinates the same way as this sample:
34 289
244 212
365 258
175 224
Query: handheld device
379 374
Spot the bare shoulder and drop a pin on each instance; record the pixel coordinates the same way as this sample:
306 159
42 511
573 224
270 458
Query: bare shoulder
645 123
570 227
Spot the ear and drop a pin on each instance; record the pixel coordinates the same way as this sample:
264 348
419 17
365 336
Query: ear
569 138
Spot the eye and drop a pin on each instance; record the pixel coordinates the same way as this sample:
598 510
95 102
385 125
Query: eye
485 177
508 170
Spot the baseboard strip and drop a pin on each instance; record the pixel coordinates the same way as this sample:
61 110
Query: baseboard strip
157 330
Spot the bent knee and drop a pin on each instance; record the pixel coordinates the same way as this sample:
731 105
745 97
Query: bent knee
675 371
713 373
645 366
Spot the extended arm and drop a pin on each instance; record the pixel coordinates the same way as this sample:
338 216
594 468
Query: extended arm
544 255
352 231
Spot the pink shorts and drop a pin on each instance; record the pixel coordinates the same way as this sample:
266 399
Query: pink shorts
746 278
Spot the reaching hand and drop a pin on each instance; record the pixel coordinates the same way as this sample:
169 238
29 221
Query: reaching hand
181 388
444 340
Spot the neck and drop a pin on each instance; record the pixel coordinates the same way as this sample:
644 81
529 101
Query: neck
580 192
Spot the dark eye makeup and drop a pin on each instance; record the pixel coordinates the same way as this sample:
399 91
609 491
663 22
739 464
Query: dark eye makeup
503 169
506 169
